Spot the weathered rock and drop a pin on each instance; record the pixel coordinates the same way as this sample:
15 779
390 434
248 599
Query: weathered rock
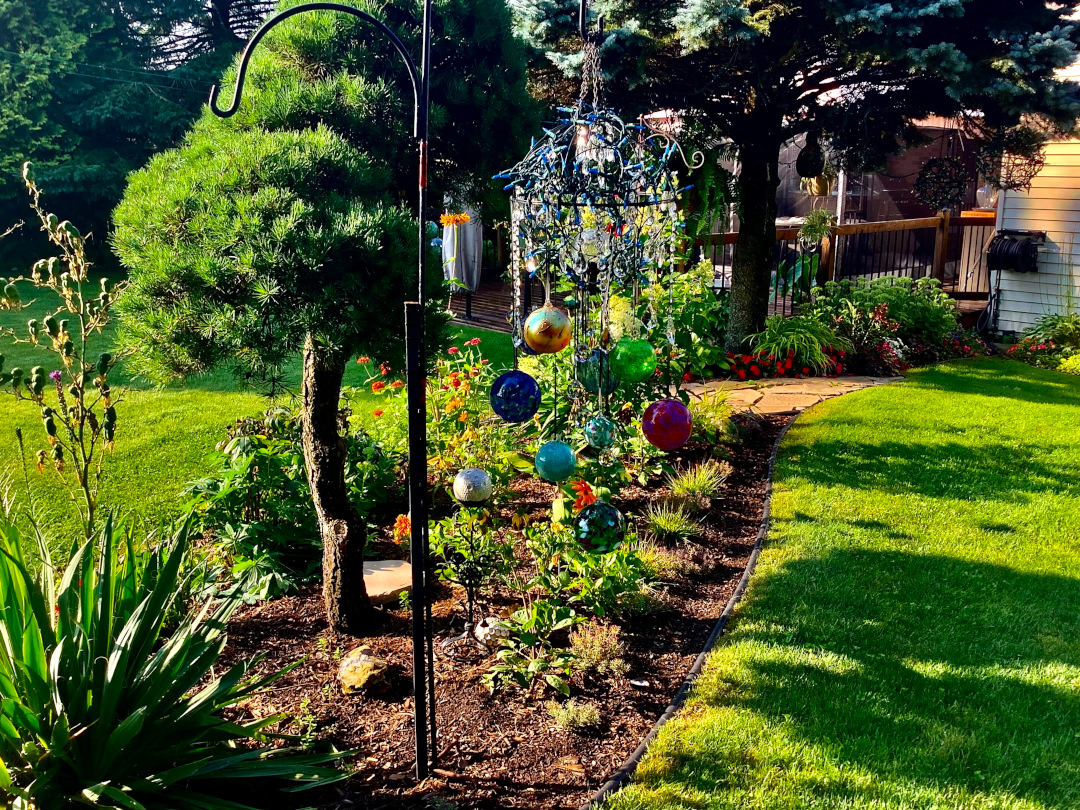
361 671
386 580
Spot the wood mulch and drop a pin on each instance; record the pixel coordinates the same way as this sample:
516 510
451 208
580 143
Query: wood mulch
501 751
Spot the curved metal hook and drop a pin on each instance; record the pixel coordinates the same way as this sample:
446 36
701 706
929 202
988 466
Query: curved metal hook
583 22
241 73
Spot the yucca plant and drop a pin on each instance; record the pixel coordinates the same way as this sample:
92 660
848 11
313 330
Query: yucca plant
98 708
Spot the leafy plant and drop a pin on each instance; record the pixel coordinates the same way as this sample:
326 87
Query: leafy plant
99 708
1070 364
817 226
528 656
712 419
470 553
801 339
1060 329
78 406
670 523
574 714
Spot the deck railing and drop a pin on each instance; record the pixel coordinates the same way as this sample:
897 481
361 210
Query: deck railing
951 249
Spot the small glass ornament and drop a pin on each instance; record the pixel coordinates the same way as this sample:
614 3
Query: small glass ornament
515 396
472 485
555 461
594 373
633 361
986 196
548 330
600 432
600 526
667 424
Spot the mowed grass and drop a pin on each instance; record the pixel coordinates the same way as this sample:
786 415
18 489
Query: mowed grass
911 638
164 435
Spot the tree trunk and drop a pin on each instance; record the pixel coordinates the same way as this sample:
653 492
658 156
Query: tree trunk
343 533
751 271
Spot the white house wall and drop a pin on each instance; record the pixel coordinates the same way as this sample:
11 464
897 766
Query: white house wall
1052 205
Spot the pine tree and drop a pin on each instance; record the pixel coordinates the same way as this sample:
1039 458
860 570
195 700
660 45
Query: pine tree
289 228
760 72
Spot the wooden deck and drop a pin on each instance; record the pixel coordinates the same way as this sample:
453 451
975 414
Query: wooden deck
491 304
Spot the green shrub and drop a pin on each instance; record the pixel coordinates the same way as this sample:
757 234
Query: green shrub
99 708
802 338
257 507
1070 364
599 649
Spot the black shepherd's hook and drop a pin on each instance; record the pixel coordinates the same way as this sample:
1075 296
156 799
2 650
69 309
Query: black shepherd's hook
420 110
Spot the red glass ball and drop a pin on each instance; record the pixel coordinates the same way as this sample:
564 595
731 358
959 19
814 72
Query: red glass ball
667 424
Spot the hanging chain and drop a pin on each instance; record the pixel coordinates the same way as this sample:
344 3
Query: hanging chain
592 77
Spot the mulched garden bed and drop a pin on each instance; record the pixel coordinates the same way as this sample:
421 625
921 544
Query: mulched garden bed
503 751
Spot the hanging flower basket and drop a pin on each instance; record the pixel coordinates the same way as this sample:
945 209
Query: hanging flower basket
942 183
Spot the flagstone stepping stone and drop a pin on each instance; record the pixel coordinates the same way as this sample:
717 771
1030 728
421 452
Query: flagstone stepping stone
386 580
775 403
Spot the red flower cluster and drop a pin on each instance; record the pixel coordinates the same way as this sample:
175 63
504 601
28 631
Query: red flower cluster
761 366
473 342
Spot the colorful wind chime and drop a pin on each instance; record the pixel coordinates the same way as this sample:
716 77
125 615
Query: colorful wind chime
595 203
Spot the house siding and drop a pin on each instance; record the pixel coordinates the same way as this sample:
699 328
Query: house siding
1052 205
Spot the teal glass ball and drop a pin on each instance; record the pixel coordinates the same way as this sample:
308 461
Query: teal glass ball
555 461
633 361
600 432
594 373
600 526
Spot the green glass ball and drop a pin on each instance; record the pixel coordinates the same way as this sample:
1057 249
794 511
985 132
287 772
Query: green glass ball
594 373
633 361
600 432
600 526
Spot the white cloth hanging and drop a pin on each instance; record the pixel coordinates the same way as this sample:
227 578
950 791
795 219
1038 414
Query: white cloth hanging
462 251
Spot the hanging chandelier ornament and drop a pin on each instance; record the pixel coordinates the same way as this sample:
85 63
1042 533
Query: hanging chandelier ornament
1011 158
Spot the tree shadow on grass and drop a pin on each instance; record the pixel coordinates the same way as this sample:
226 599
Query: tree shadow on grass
953 676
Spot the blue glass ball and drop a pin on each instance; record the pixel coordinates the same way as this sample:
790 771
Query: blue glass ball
515 396
555 461
600 432
600 526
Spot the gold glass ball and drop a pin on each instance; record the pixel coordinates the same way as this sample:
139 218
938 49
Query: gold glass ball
548 330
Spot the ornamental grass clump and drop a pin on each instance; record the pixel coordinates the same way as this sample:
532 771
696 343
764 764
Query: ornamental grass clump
696 486
668 522
100 708
574 714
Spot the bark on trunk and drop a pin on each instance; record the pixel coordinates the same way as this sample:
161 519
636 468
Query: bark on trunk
751 271
348 609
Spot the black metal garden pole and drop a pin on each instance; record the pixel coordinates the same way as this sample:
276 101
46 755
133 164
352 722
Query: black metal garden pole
415 369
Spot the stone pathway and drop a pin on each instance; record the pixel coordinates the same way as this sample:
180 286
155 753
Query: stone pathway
784 395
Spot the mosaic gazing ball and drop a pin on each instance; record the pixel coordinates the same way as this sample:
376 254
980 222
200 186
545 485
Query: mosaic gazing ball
600 432
594 373
472 485
633 361
548 330
667 424
555 461
600 526
515 396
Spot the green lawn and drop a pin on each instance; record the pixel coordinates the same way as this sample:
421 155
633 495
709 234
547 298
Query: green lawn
911 638
163 436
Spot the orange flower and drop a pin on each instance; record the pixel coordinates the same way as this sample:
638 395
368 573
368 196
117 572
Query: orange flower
454 404
377 386
585 495
402 527
363 360
397 384
454 219
379 412
464 416
384 368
